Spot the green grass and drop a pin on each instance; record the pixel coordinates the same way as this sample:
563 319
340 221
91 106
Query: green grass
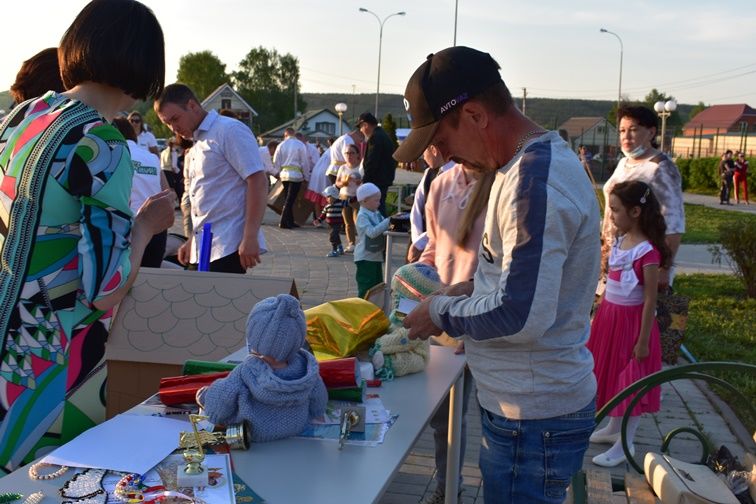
702 222
721 323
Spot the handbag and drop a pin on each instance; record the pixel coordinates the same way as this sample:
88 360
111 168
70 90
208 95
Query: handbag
677 482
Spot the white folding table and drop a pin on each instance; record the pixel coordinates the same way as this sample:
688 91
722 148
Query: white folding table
316 471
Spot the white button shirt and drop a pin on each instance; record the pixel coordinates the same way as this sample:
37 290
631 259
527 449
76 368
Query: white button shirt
291 161
225 153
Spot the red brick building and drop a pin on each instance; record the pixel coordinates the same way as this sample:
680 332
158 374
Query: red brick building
722 119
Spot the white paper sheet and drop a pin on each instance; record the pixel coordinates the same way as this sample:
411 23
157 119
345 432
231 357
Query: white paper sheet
128 443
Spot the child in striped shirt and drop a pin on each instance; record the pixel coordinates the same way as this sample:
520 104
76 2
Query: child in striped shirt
332 215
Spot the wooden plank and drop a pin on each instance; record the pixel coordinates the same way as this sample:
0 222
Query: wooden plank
598 486
638 491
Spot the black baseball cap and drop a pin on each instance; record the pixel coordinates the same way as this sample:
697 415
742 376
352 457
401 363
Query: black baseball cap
366 117
444 81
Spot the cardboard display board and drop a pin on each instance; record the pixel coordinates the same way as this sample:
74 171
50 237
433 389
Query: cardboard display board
170 316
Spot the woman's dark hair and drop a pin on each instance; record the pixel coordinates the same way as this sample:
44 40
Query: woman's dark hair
115 42
644 116
38 74
133 114
124 126
634 193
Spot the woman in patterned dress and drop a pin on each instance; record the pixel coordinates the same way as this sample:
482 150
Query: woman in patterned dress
70 247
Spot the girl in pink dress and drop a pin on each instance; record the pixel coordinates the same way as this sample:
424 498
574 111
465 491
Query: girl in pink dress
624 334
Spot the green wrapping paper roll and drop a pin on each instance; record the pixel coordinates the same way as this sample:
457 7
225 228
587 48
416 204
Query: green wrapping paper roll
354 394
194 367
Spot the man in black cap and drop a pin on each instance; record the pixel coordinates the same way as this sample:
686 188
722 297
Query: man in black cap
379 165
525 315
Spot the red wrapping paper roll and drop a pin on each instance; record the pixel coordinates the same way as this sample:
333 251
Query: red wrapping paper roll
183 389
340 373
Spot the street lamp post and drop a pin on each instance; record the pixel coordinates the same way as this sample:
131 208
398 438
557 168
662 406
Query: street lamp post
619 92
664 110
380 43
340 109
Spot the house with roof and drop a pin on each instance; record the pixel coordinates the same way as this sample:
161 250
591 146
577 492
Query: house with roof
594 132
716 129
225 97
722 119
317 125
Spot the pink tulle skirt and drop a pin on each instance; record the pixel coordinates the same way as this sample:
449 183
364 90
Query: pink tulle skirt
614 332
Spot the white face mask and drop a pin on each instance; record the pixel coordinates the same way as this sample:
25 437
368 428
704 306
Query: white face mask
635 153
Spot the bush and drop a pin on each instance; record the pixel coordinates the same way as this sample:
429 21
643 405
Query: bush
702 174
738 239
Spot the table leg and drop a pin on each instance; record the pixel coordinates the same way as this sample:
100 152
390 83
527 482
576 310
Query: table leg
453 440
387 272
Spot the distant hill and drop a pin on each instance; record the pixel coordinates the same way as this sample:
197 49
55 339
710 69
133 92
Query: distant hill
548 112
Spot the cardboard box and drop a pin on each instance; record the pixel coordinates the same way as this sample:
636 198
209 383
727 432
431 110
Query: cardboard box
170 316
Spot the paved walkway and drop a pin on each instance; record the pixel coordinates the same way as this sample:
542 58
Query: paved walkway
300 254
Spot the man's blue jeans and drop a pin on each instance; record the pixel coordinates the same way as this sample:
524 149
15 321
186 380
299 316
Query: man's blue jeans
532 461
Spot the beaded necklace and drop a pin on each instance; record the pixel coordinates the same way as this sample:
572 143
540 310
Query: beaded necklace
34 471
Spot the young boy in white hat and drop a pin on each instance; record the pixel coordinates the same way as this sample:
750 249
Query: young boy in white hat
371 245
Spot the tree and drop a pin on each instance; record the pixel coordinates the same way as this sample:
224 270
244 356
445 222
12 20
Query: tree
674 122
268 81
389 126
699 107
202 71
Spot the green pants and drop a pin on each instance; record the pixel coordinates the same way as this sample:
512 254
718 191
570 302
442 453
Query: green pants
369 274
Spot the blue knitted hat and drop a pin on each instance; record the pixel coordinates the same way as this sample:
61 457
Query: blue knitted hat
276 327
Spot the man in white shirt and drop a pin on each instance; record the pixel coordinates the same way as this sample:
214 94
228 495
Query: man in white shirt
313 155
148 180
337 152
224 174
266 155
293 166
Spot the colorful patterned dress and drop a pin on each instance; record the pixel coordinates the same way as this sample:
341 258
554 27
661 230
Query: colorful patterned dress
65 180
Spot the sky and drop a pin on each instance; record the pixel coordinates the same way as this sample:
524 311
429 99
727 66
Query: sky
693 50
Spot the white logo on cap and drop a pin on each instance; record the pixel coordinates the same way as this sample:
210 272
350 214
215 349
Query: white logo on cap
406 105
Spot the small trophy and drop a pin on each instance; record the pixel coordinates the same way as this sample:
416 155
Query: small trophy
193 474
352 420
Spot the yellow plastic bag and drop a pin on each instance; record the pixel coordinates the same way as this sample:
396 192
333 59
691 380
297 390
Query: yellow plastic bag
342 328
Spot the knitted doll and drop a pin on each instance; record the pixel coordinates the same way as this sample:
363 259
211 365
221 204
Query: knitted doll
394 354
277 388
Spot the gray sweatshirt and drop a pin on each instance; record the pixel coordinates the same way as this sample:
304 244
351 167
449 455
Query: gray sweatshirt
527 321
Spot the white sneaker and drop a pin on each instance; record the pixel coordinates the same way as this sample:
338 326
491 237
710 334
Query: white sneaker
349 249
604 460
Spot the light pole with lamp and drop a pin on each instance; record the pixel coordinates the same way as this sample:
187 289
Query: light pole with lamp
619 92
380 43
340 109
664 110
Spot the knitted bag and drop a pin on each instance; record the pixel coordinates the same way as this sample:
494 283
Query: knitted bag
394 354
